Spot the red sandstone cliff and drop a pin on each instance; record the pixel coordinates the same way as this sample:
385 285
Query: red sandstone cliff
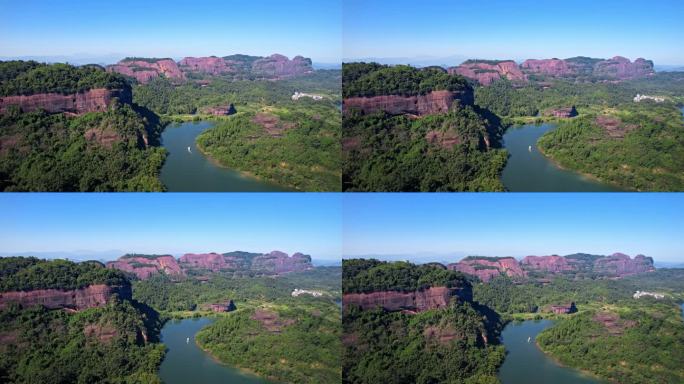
144 267
280 262
621 68
551 67
487 269
619 264
485 73
209 65
94 100
280 66
553 264
145 70
433 102
77 299
212 261
422 300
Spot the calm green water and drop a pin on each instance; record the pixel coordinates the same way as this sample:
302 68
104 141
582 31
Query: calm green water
191 171
528 170
186 363
526 364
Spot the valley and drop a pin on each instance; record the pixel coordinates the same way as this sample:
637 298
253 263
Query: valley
90 128
595 133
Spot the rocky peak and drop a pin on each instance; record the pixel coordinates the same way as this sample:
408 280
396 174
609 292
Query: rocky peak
487 268
144 266
279 66
144 70
486 72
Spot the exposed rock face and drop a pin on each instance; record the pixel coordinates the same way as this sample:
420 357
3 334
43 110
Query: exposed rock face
280 66
418 301
145 266
209 65
563 309
489 268
94 100
619 264
145 70
621 68
431 103
553 264
271 321
222 110
563 113
77 299
279 262
212 261
487 72
551 67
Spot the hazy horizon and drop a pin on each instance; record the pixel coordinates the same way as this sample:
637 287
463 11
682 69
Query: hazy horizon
173 223
523 29
166 29
517 224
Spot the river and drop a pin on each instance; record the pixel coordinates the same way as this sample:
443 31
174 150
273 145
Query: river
527 170
186 363
525 363
191 171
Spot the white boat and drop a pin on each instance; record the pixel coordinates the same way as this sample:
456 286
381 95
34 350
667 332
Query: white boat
189 151
529 148
187 341
528 339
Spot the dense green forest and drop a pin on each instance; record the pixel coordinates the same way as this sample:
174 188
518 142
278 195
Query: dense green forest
639 146
632 342
392 153
30 77
302 344
116 343
29 273
457 344
368 275
371 79
294 143
43 152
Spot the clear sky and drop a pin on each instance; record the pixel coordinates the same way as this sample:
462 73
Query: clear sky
514 29
514 224
171 28
172 223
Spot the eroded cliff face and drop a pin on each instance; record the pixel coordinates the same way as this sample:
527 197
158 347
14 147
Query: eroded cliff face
279 262
553 264
551 67
621 68
487 269
619 264
431 103
77 299
279 66
145 70
94 100
616 68
485 73
144 267
416 301
211 261
210 65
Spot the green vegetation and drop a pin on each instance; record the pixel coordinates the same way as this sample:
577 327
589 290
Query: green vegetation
30 77
637 147
116 343
392 153
639 341
456 344
294 143
301 346
98 151
29 273
367 80
361 275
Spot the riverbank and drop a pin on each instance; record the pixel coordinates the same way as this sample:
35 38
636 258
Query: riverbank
584 372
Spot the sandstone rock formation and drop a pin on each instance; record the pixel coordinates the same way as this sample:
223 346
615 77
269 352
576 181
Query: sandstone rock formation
279 66
553 264
279 262
226 110
94 100
416 301
619 264
616 265
617 68
431 103
210 65
91 296
487 268
211 261
144 266
551 67
143 70
486 72
563 113
621 68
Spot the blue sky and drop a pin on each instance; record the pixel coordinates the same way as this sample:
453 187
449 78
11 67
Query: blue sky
514 224
520 29
171 28
172 223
